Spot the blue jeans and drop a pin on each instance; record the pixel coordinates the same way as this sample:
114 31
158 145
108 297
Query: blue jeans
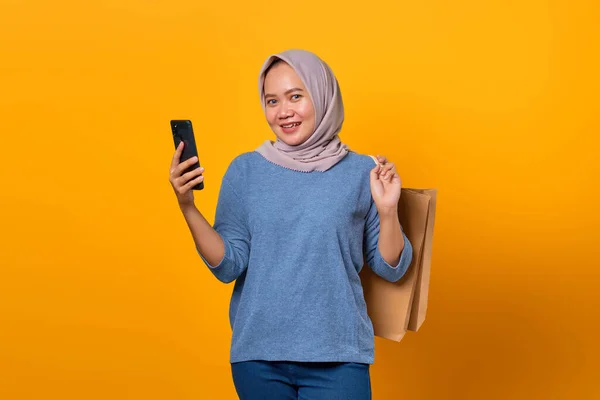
283 380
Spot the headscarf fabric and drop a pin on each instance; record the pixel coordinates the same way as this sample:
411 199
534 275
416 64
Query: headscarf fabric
323 149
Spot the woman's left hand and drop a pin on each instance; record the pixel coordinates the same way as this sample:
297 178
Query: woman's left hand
385 185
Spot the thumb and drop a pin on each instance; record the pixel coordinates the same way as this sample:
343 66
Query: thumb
375 172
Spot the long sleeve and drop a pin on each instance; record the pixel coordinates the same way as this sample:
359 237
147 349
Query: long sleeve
231 223
373 256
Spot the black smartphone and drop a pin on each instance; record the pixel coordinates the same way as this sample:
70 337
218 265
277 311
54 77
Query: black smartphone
184 132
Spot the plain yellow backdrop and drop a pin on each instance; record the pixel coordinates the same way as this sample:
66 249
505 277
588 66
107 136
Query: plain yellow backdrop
495 103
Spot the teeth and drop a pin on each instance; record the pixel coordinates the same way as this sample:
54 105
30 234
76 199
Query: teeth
291 125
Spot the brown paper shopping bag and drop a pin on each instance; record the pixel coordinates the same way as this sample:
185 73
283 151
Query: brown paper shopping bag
395 307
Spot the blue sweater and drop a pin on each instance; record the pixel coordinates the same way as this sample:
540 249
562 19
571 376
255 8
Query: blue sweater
294 244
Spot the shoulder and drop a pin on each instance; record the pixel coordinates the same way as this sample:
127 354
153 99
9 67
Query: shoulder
363 163
238 169
242 161
364 159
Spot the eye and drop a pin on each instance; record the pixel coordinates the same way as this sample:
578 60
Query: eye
297 96
269 101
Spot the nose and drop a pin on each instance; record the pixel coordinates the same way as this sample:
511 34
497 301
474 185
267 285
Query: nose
285 111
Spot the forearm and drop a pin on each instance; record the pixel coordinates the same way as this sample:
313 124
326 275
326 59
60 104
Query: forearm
391 239
208 241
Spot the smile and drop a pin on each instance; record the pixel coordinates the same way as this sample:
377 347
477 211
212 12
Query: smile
291 125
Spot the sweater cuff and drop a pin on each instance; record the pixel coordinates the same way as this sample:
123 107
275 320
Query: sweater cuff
228 255
394 273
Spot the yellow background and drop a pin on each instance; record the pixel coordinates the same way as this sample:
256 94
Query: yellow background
495 103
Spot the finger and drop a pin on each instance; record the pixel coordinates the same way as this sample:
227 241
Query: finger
381 159
193 182
181 184
176 156
386 168
394 171
192 174
393 175
375 172
186 164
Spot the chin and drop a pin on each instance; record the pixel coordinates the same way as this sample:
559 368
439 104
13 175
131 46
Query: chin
293 140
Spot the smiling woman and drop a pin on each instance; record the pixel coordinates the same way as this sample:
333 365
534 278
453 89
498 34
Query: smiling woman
289 107
298 88
298 314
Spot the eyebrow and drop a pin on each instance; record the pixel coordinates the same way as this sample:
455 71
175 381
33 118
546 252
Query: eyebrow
286 92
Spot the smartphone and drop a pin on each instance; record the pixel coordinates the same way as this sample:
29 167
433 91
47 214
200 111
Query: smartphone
183 132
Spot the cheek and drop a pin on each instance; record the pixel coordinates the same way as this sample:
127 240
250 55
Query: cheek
308 115
271 115
306 110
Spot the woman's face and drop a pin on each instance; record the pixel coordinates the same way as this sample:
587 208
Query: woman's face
289 108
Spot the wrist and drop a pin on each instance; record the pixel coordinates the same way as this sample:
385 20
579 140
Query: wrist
187 207
388 212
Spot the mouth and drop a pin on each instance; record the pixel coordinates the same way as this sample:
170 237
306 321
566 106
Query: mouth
291 125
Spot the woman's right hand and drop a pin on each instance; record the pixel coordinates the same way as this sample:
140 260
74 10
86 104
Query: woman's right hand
182 184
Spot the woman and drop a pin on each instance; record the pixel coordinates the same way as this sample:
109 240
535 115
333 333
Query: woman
293 222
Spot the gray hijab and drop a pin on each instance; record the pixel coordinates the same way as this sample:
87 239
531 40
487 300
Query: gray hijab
323 149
